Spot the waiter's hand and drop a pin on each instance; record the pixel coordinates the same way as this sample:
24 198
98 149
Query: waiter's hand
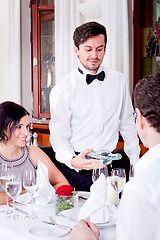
82 163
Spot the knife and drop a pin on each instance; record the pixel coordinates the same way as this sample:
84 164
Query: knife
21 211
56 224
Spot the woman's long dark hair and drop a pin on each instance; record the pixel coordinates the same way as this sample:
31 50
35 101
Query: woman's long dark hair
10 115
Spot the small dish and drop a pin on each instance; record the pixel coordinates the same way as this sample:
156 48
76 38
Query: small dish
43 230
72 215
83 195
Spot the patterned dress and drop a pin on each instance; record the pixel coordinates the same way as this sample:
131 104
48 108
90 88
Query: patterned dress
19 164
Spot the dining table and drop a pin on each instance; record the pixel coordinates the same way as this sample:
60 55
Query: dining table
39 228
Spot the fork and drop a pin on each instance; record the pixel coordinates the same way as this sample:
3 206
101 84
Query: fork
52 221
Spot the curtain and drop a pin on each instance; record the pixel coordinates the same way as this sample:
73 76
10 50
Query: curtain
115 18
10 51
67 18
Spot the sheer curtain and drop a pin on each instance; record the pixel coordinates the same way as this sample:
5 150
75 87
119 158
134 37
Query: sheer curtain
67 18
116 20
10 51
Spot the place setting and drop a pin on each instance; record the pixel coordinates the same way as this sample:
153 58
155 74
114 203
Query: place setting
40 193
95 207
47 213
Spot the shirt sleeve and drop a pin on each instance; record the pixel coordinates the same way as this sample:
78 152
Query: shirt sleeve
59 126
137 217
127 127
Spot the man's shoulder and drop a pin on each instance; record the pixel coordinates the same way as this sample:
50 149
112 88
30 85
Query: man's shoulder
63 85
66 79
114 72
116 77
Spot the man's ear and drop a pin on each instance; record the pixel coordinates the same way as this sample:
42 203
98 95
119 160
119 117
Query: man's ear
141 121
76 50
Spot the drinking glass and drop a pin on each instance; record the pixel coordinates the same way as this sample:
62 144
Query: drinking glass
118 180
6 176
97 172
131 172
29 183
13 189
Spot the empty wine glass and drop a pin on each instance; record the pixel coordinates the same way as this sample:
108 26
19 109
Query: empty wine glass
131 172
6 172
29 183
13 189
97 172
118 180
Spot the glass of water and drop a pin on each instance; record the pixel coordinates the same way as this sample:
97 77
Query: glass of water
98 171
13 189
5 176
30 185
118 180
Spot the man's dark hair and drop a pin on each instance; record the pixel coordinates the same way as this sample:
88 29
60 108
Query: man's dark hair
10 115
88 30
147 99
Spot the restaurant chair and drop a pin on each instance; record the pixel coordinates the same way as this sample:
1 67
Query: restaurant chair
51 154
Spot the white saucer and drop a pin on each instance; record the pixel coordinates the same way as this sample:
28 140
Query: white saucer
72 215
84 195
43 230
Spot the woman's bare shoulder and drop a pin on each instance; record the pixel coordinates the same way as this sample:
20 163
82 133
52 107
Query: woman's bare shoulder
36 154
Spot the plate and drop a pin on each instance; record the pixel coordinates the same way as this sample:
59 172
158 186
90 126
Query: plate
43 230
83 195
72 214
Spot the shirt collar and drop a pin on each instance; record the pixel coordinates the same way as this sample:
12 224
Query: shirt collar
147 159
85 71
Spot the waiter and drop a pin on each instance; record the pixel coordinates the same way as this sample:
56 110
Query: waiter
89 107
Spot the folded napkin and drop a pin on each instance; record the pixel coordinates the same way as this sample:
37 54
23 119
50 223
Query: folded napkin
44 193
95 208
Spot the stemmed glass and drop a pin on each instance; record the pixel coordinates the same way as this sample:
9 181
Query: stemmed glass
131 172
118 180
29 183
13 189
6 176
97 172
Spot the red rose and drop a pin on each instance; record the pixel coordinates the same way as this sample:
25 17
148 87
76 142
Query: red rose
65 190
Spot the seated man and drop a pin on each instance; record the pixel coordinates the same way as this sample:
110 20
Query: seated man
139 209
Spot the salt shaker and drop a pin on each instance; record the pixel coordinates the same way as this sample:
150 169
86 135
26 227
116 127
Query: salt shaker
29 139
35 142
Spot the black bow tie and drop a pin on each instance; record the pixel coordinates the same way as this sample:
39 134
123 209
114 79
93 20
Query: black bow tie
90 77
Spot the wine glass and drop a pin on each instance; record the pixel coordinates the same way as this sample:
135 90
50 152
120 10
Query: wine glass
97 172
118 180
29 183
6 172
131 172
13 189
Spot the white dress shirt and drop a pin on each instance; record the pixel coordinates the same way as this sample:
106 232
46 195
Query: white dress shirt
90 116
139 209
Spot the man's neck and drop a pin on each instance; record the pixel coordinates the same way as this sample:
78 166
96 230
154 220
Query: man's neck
89 71
153 137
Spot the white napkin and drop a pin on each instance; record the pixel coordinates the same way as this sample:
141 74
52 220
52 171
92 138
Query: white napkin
45 191
96 207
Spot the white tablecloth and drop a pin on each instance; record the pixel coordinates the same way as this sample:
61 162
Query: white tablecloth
19 229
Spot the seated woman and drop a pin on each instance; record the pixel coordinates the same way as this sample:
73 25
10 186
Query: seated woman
14 129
